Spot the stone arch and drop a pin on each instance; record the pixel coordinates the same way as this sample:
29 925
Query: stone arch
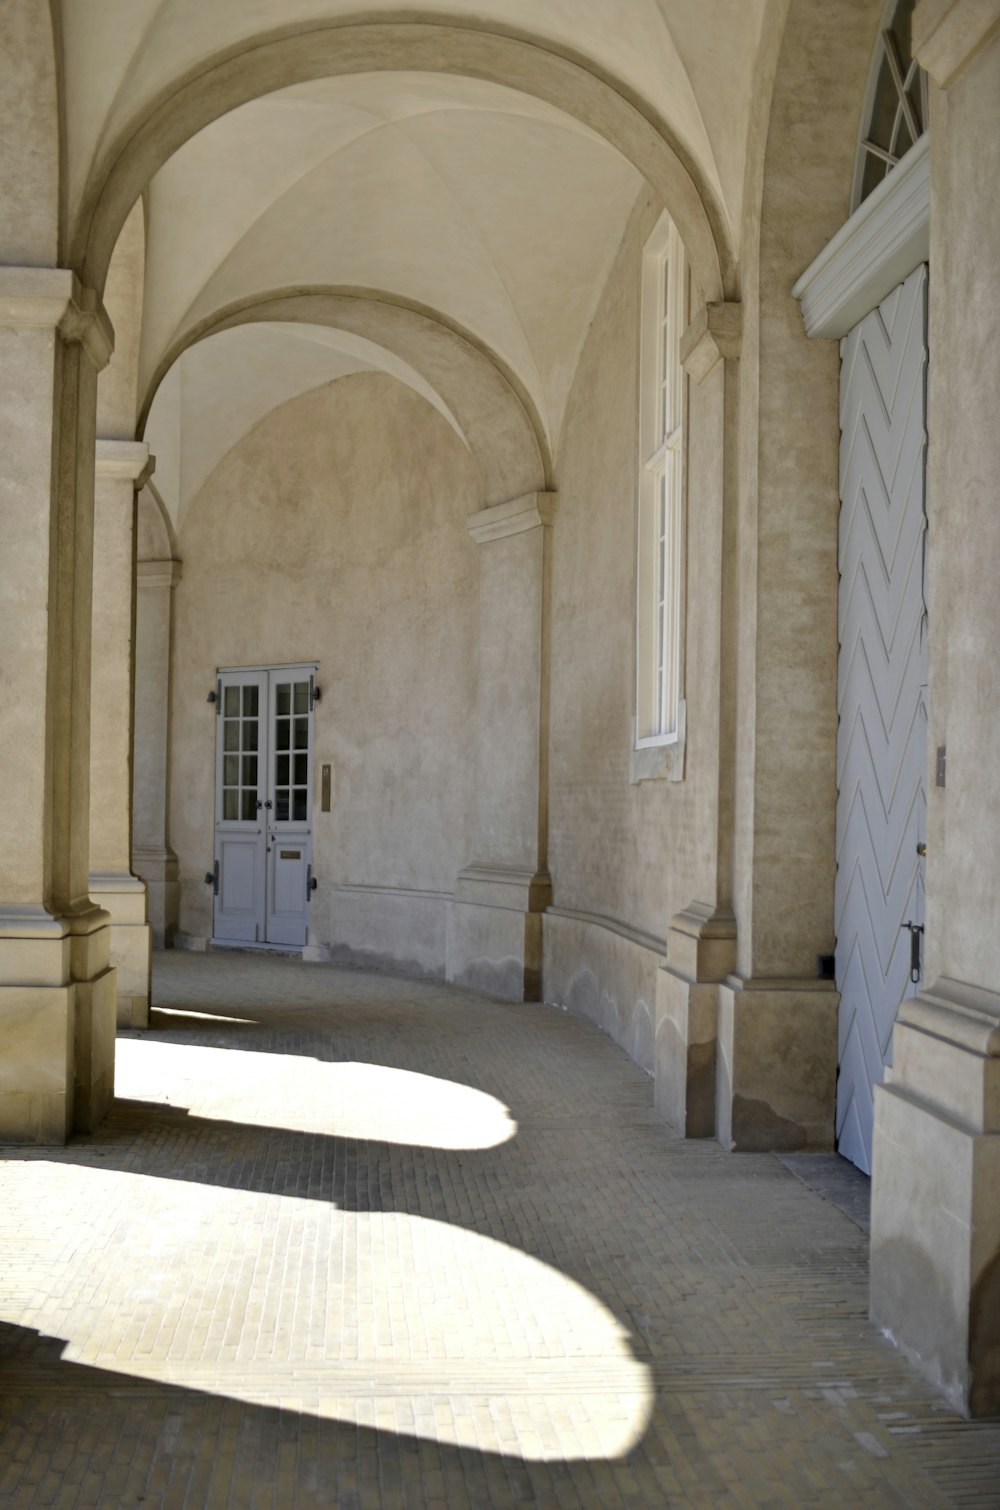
117 385
30 138
496 415
298 55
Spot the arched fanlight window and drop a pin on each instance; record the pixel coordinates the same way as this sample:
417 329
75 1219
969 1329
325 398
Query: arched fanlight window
895 114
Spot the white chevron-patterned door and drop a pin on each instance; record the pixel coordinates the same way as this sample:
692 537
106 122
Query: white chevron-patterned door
881 692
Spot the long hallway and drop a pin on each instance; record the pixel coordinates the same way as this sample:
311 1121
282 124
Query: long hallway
355 1241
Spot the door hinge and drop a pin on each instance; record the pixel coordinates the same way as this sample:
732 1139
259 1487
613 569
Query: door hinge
212 878
218 697
311 883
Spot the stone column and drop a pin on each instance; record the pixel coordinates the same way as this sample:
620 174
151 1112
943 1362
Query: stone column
57 988
152 857
494 940
935 1253
701 942
122 468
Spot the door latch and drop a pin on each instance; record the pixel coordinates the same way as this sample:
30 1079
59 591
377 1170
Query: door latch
212 878
916 929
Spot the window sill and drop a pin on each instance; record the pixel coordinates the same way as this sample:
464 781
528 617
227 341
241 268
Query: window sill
664 761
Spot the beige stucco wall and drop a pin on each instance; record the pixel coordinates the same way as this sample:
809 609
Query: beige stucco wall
624 855
335 531
963 880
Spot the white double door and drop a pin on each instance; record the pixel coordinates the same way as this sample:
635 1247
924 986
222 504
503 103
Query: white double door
263 805
882 695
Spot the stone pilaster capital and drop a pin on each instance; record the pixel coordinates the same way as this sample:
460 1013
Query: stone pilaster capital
947 34
124 461
159 573
54 297
714 335
529 512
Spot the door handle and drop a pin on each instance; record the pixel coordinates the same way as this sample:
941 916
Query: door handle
916 929
268 803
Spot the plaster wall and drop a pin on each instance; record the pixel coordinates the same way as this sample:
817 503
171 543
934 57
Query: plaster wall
963 882
625 855
335 532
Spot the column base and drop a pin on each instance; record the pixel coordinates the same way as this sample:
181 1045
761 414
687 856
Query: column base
701 946
935 1234
123 897
776 1065
57 1023
494 934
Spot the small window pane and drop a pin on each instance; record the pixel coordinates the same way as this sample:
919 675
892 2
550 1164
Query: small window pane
249 805
231 770
301 770
281 770
302 697
299 811
231 735
250 770
230 804
281 806
250 702
302 733
250 734
283 697
281 734
232 702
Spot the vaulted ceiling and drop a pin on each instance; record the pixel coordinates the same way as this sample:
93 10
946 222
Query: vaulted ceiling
477 205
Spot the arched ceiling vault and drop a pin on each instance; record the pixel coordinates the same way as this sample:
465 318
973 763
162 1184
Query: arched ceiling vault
141 131
330 189
357 330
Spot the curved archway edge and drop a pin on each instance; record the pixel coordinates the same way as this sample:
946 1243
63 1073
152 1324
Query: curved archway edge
497 416
280 59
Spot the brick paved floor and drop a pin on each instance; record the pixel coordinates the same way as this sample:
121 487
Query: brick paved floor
351 1241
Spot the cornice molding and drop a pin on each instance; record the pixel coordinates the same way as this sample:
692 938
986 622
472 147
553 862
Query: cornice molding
54 298
512 518
885 239
948 34
124 460
715 334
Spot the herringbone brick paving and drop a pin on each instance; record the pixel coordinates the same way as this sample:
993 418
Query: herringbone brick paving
351 1241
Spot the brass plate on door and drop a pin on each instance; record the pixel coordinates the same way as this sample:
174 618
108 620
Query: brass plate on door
290 854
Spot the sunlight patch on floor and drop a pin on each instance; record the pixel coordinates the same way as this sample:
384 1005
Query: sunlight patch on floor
302 1094
380 1319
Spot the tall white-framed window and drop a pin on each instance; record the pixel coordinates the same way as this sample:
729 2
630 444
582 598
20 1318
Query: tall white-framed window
660 581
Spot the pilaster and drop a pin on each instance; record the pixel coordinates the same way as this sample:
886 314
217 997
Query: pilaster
494 928
57 987
152 857
121 469
701 942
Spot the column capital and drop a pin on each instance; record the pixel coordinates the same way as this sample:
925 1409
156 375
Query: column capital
512 518
714 335
947 34
159 573
41 297
124 460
